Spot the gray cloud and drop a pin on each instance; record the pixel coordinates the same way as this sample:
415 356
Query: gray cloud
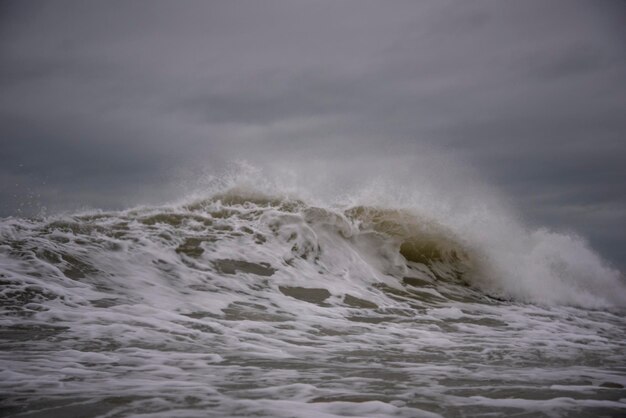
103 102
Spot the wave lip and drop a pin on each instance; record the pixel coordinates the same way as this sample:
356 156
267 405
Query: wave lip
375 244
509 262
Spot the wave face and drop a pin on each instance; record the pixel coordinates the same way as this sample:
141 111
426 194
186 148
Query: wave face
249 304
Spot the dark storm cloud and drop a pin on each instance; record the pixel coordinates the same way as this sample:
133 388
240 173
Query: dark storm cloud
103 101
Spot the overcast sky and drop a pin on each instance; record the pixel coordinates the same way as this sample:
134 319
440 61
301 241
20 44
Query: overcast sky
103 104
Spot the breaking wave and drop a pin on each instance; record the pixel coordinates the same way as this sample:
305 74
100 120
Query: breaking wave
260 301
345 250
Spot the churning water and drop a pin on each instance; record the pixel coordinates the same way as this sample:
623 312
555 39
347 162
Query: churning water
250 304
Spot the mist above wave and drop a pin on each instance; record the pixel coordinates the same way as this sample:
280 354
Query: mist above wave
439 197
380 233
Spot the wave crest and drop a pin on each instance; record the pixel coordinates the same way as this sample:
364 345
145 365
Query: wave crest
347 248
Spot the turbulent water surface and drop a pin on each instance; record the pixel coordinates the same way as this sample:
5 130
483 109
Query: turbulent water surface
241 305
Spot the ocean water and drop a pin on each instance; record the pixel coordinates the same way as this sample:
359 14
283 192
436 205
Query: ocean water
252 304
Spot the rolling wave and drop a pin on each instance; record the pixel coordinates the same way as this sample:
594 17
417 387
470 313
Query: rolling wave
244 232
257 304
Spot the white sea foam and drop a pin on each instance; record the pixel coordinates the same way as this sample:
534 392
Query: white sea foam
513 261
246 302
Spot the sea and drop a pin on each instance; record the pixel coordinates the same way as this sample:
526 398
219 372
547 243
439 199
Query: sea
253 302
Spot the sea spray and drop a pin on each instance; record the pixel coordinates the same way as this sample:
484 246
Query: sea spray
258 299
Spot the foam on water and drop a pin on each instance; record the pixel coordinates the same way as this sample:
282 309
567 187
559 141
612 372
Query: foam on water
260 300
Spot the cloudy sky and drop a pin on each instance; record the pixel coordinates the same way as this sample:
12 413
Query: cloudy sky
106 104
